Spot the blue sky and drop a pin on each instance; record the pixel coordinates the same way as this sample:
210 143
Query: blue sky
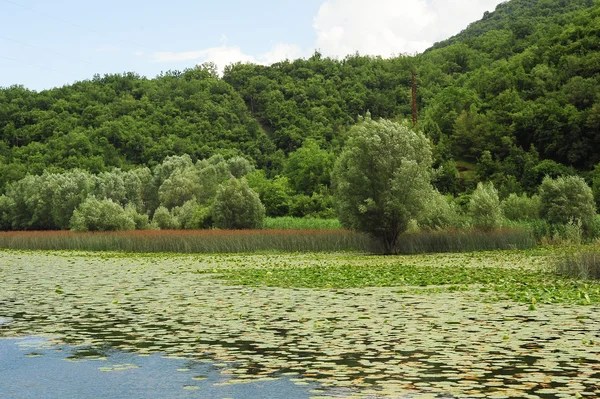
44 44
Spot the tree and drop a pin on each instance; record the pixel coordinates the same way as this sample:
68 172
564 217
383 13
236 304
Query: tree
237 206
567 199
101 215
484 207
382 179
308 167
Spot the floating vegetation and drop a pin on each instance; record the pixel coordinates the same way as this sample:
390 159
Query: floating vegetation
455 325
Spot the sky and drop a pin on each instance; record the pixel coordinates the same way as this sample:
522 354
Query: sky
46 44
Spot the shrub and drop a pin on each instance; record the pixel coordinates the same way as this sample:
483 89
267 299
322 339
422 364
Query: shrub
164 220
182 185
484 207
185 214
567 199
239 166
237 206
141 220
100 215
275 194
6 205
521 207
440 213
202 218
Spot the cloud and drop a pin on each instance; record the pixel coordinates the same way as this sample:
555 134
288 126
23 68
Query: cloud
225 55
391 27
374 27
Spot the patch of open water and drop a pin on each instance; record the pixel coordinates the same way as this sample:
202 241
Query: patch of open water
33 368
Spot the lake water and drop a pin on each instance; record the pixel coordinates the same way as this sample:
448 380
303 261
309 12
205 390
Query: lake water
34 368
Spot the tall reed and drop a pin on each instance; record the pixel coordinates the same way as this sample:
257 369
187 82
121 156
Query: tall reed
192 241
584 265
466 240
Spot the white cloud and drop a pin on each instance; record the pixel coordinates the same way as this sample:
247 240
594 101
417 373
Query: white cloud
225 55
390 27
369 27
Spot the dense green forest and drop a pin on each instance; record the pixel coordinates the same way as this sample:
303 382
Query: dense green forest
511 99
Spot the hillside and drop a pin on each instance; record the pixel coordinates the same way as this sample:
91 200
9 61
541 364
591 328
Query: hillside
511 98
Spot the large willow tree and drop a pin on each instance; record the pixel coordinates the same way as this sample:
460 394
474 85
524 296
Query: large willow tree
382 179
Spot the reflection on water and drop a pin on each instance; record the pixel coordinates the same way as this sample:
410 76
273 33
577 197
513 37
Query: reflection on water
36 368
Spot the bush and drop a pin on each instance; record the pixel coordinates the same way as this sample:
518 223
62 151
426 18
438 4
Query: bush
141 220
100 215
202 218
567 199
440 213
521 207
275 194
237 206
484 207
185 214
581 265
164 220
6 205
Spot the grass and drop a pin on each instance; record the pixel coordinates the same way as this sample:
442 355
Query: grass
192 241
466 240
293 223
583 265
317 239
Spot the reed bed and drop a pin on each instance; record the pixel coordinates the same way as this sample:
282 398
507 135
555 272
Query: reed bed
583 265
192 241
466 240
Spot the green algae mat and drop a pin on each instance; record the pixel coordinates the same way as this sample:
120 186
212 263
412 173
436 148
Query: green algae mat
493 325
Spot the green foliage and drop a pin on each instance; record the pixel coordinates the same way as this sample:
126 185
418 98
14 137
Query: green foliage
440 213
141 220
567 199
164 220
202 218
181 186
275 194
484 207
446 178
521 207
185 214
6 205
237 206
309 167
101 215
516 91
382 179
123 120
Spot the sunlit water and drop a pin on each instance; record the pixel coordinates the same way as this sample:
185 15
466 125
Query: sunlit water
33 368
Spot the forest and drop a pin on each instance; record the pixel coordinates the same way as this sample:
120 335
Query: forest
510 100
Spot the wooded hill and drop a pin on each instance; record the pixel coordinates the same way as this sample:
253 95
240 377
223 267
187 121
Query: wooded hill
512 98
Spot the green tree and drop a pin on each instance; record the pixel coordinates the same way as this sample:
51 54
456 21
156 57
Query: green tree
382 179
101 215
567 199
484 207
309 167
237 206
